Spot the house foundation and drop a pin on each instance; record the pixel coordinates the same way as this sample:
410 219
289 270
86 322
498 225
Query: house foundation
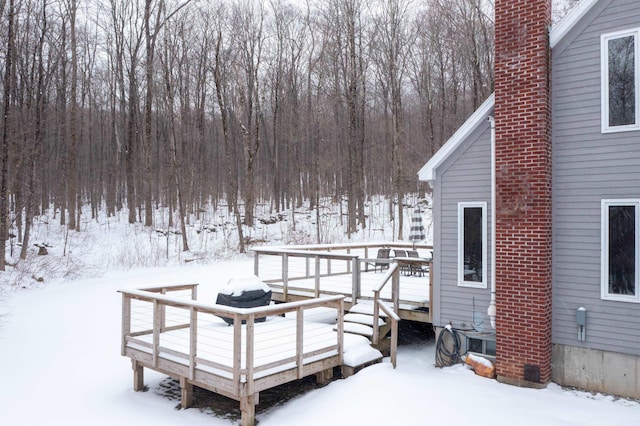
596 370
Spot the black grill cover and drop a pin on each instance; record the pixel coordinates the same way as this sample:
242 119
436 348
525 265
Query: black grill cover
244 299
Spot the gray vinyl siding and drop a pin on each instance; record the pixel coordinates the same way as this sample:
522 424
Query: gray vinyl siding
464 177
589 166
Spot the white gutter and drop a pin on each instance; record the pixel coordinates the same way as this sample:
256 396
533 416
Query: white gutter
491 311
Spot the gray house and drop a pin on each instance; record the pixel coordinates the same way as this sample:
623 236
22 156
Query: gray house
537 232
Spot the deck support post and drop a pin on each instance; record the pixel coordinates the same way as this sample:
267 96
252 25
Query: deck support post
138 376
323 377
248 410
186 393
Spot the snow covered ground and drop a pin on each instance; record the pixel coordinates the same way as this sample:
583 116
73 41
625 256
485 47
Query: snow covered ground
60 360
60 364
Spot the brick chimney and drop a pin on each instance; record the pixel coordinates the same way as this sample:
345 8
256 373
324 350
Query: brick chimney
523 192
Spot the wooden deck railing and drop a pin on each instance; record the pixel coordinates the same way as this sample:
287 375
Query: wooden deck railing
156 313
393 274
325 264
321 263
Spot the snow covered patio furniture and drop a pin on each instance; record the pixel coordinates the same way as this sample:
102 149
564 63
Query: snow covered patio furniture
244 292
382 259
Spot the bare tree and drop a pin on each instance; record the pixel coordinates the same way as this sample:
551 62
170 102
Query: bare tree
220 78
343 23
248 23
4 155
71 179
128 38
392 44
170 63
37 97
154 19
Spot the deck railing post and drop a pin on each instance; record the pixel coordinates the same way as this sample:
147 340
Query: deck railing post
163 313
300 342
285 276
341 330
376 316
256 264
395 289
307 267
237 353
194 292
157 324
394 342
193 341
126 321
317 293
249 346
355 290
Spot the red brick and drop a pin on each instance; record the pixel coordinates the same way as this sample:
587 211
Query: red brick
523 174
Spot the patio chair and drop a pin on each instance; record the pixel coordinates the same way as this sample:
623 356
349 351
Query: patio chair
416 269
399 253
383 255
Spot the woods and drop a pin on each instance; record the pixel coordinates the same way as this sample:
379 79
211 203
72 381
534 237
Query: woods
180 104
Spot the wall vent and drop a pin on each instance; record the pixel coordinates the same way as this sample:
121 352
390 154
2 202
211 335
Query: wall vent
532 373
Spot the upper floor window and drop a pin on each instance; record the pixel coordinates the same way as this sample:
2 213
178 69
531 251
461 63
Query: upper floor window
620 75
472 244
620 250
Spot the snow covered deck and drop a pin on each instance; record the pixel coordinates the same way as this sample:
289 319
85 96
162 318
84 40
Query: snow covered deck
304 272
188 340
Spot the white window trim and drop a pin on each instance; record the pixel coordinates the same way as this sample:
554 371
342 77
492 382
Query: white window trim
604 267
604 81
485 266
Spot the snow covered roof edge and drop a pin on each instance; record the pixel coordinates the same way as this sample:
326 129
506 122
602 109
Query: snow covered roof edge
427 172
565 25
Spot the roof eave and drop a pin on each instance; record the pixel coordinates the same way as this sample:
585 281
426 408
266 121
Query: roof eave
563 27
428 172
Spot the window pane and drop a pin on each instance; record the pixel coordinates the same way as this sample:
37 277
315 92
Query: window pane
622 89
473 244
622 250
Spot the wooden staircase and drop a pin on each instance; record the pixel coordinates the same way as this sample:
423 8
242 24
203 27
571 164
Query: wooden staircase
359 320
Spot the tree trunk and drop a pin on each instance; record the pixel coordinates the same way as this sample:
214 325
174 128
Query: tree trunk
4 171
232 181
72 153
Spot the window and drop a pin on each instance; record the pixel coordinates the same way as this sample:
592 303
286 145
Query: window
620 74
485 345
620 254
472 245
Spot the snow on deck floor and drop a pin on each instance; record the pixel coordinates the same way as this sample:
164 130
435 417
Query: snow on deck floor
275 340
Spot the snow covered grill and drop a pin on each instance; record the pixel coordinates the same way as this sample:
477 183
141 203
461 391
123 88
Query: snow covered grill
189 341
244 292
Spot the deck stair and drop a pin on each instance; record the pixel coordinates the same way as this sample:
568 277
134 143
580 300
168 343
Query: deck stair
359 320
